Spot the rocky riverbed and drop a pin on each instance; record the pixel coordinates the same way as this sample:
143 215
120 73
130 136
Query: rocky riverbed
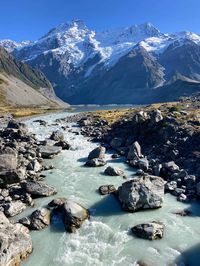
82 171
161 140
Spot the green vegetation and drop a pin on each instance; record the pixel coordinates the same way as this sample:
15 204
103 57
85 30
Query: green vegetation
175 108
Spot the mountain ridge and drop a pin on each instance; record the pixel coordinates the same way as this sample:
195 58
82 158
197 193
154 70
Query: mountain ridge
74 57
23 86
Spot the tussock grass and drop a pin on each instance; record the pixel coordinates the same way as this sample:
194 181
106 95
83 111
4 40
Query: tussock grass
192 112
18 112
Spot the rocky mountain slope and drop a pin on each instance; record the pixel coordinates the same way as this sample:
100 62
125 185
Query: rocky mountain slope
126 65
22 86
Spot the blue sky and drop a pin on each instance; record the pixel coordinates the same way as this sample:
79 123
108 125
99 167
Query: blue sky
30 19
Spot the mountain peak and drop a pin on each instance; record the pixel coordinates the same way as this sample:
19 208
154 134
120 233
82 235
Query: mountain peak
148 29
75 23
64 27
78 23
10 45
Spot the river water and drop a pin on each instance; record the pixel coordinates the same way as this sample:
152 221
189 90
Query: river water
106 240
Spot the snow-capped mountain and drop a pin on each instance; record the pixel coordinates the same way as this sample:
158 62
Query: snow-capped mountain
80 43
10 45
83 64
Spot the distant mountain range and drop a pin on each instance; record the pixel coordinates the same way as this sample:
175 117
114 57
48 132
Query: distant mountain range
136 64
23 86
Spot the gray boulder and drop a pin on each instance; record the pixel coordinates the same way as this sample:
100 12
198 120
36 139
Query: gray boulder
8 177
143 164
73 216
107 189
98 152
38 220
57 136
8 162
116 143
34 166
8 169
63 144
49 151
41 122
156 169
15 242
140 172
170 186
170 166
134 151
95 162
13 208
57 203
38 189
155 117
142 193
85 121
151 231
13 124
140 117
113 171
182 198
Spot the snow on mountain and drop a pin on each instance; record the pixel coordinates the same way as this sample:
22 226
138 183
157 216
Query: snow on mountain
74 42
157 45
72 39
186 35
78 43
131 34
10 45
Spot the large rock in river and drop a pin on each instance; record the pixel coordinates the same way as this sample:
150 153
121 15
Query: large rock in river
107 189
98 152
141 193
15 242
38 220
63 144
95 162
113 171
38 189
49 151
73 215
151 231
57 136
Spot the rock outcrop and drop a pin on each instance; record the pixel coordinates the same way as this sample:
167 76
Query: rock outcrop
15 242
